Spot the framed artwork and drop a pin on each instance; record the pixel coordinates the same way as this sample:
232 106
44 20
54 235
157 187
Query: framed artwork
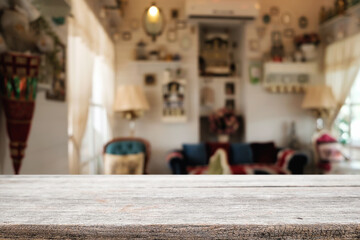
174 13
174 96
58 85
229 88
289 33
230 104
286 19
150 79
255 71
266 19
171 35
303 22
185 43
181 24
260 31
274 11
275 37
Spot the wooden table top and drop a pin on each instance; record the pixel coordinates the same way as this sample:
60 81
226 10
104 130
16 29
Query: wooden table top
163 207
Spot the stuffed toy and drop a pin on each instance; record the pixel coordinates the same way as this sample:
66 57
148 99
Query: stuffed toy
329 152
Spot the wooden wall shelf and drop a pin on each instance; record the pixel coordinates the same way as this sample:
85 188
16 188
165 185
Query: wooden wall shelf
288 77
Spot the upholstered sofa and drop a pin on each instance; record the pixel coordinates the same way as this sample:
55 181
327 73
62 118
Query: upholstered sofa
243 158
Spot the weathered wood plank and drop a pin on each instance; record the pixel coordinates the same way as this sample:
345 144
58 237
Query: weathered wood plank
162 207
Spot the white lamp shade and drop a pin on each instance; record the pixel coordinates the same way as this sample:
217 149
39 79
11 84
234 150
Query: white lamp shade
319 97
130 98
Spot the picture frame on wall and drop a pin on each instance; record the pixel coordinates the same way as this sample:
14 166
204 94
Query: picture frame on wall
174 101
230 104
255 71
150 79
171 35
229 88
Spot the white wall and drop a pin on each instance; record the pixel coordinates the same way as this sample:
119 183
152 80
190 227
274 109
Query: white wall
47 144
266 115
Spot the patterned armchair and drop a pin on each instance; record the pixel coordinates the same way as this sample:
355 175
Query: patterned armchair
128 146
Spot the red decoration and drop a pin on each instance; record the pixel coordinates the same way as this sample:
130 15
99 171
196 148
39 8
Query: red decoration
18 89
18 122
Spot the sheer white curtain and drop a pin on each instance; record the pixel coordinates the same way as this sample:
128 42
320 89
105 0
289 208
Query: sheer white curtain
342 64
87 41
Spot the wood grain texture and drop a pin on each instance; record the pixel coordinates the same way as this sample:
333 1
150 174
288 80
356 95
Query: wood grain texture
187 207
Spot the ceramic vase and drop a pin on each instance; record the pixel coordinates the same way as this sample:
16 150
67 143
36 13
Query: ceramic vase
223 138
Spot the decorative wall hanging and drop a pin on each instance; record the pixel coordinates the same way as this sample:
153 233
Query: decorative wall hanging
153 21
229 88
303 22
181 24
58 85
18 85
174 13
289 33
266 19
274 11
174 96
286 19
255 71
230 104
215 58
275 37
185 43
141 53
260 31
126 36
171 35
150 79
207 97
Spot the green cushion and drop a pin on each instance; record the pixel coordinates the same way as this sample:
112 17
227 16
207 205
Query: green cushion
125 148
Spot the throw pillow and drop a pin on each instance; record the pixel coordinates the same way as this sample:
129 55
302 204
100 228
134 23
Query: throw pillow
241 154
195 154
124 164
218 163
264 152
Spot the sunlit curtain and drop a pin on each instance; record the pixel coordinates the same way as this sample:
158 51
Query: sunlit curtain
87 41
342 64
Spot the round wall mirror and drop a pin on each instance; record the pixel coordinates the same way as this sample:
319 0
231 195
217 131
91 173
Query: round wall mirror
153 21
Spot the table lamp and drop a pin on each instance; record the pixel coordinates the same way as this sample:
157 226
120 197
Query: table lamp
320 100
131 102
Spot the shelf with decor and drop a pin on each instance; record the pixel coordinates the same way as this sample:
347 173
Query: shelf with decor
157 63
290 77
341 25
348 13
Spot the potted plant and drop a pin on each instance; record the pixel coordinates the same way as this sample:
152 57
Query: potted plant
223 122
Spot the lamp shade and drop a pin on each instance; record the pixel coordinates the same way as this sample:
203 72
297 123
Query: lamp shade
319 97
130 98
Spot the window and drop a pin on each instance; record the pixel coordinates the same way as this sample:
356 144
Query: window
97 131
347 124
